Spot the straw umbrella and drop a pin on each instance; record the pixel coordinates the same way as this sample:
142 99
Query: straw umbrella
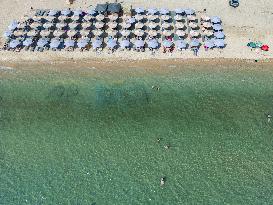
152 25
98 32
18 33
139 32
180 25
99 25
180 33
167 33
178 17
139 25
166 25
125 33
71 33
152 33
100 17
165 17
112 24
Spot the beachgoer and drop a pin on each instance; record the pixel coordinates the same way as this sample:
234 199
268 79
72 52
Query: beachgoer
162 181
268 117
167 146
158 140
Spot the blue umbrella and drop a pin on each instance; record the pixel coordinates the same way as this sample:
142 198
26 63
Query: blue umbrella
164 11
66 12
167 43
139 10
77 12
189 11
42 42
194 43
217 27
152 43
54 43
13 25
92 12
7 34
69 43
27 42
152 11
82 43
219 35
179 11
111 43
131 20
209 44
52 12
14 43
97 43
139 43
215 19
125 43
181 44
219 43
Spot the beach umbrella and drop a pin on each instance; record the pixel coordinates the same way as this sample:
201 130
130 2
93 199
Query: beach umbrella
131 20
82 43
77 12
32 33
194 43
219 35
69 43
35 25
219 43
112 24
53 12
139 17
178 17
167 43
180 25
7 34
152 11
209 43
71 33
152 17
14 43
44 33
100 17
139 32
97 43
139 10
180 33
166 25
73 25
194 33
152 25
265 47
88 17
113 17
205 18
165 17
42 42
61 25
86 24
112 33
112 43
153 43
85 32
63 18
125 32
66 12
54 43
58 33
217 27
259 44
193 25
191 18
98 32
164 11
207 25
21 25
99 24
139 43
215 19
208 33
92 12
180 44
27 42
179 11
124 43
13 25
48 25
139 25
152 33
18 33
189 11
167 33
126 25
252 45
75 17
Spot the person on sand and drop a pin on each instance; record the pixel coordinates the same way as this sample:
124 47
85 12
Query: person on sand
162 181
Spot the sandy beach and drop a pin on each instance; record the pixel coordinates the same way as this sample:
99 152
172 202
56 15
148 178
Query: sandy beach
251 21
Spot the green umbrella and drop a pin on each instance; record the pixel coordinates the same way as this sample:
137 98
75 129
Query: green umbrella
252 45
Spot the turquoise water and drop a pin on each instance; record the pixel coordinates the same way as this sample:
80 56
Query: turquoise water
90 137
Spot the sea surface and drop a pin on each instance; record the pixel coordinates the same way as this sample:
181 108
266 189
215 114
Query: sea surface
88 136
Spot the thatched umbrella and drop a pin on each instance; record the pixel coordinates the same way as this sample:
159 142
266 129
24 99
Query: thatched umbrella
112 24
178 17
61 25
152 33
98 32
139 25
139 32
125 32
99 25
167 33
166 25
180 33
165 17
45 33
180 25
18 33
100 17
152 25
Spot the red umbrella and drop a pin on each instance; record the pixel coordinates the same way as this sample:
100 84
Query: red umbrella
265 47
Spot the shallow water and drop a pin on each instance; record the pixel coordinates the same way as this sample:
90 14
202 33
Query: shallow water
73 138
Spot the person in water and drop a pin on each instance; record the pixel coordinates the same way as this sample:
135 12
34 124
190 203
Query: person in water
162 181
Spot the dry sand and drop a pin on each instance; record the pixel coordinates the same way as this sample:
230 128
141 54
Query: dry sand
252 20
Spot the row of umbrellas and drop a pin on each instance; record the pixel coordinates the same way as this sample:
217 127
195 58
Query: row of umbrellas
163 11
